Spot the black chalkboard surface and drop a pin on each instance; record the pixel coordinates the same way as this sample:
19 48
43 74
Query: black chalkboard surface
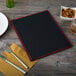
40 35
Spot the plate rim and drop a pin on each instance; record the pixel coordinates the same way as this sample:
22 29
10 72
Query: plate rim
7 24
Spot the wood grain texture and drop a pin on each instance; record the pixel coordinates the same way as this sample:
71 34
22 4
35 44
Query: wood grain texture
59 64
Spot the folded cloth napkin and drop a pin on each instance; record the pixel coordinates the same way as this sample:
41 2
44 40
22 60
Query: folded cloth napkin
11 58
9 70
19 52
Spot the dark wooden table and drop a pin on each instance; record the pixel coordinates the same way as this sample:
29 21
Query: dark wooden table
59 64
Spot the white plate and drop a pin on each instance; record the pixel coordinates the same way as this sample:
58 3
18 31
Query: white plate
3 23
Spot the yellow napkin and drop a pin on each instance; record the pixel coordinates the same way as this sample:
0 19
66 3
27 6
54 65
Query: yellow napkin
11 58
9 70
18 51
22 55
